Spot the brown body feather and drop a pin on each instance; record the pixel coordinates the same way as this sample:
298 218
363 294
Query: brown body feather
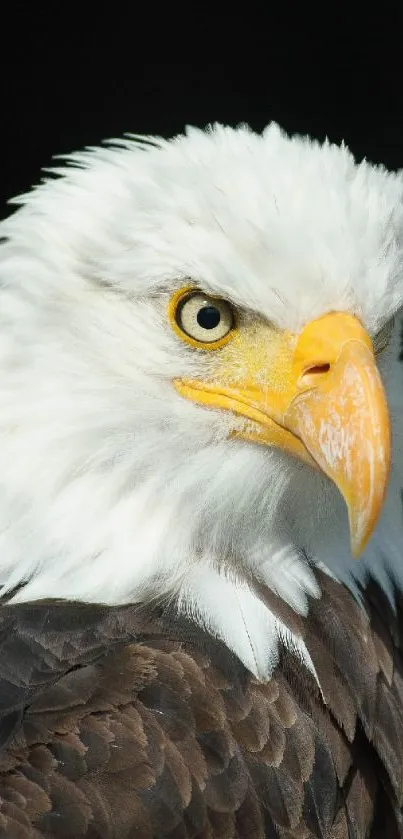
118 723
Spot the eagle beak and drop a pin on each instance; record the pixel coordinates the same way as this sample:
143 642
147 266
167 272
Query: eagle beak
342 418
323 401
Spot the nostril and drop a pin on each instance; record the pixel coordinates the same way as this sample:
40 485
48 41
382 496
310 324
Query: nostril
311 375
317 369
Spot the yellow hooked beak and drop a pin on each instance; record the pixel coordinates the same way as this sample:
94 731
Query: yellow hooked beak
317 395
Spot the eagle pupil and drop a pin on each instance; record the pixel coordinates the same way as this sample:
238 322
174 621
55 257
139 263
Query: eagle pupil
208 317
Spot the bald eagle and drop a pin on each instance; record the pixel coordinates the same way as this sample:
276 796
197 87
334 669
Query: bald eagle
201 426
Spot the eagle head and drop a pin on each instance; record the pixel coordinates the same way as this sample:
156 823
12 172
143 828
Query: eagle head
199 377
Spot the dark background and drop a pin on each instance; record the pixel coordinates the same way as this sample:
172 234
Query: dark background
69 80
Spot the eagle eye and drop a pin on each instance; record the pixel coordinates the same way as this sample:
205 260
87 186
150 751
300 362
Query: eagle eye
202 320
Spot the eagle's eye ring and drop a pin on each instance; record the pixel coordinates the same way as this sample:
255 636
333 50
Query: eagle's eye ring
202 320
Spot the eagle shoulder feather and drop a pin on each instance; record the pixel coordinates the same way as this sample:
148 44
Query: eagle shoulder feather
129 721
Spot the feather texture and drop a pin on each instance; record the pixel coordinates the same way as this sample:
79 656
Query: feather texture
119 721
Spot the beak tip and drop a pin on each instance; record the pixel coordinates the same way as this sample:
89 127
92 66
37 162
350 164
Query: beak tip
359 538
357 548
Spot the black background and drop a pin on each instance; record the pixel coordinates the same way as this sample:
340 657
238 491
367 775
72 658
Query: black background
70 79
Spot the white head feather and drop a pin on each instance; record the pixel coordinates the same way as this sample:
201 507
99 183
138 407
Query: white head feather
112 486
